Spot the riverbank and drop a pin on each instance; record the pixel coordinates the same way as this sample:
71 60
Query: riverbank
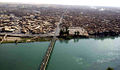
12 39
24 39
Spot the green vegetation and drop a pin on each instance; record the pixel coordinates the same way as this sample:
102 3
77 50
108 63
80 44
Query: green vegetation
41 39
109 68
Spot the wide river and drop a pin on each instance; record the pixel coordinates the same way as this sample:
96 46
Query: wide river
74 54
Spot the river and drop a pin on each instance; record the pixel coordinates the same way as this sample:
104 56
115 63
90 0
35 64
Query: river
23 56
86 54
74 54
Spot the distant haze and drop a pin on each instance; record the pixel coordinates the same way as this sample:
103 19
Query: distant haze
114 3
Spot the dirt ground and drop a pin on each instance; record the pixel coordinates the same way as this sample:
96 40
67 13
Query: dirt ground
11 38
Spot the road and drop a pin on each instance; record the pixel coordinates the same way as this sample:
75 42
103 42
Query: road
51 46
58 25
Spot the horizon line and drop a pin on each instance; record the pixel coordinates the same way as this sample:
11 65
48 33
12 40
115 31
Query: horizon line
56 4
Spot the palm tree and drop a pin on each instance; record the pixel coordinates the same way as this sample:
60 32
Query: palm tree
61 32
75 33
78 32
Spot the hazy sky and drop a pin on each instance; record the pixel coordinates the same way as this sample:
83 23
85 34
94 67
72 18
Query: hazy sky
71 2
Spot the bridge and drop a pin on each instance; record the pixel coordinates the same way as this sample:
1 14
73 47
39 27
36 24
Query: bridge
51 46
48 54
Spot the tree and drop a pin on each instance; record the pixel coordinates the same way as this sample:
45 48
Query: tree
64 32
67 32
77 32
66 28
61 32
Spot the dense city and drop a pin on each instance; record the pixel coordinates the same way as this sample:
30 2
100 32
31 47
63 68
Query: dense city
42 19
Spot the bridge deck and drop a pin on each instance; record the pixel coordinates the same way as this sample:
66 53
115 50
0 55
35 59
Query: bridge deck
48 54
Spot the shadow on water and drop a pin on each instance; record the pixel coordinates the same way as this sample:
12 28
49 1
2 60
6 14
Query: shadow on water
103 38
76 40
64 41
